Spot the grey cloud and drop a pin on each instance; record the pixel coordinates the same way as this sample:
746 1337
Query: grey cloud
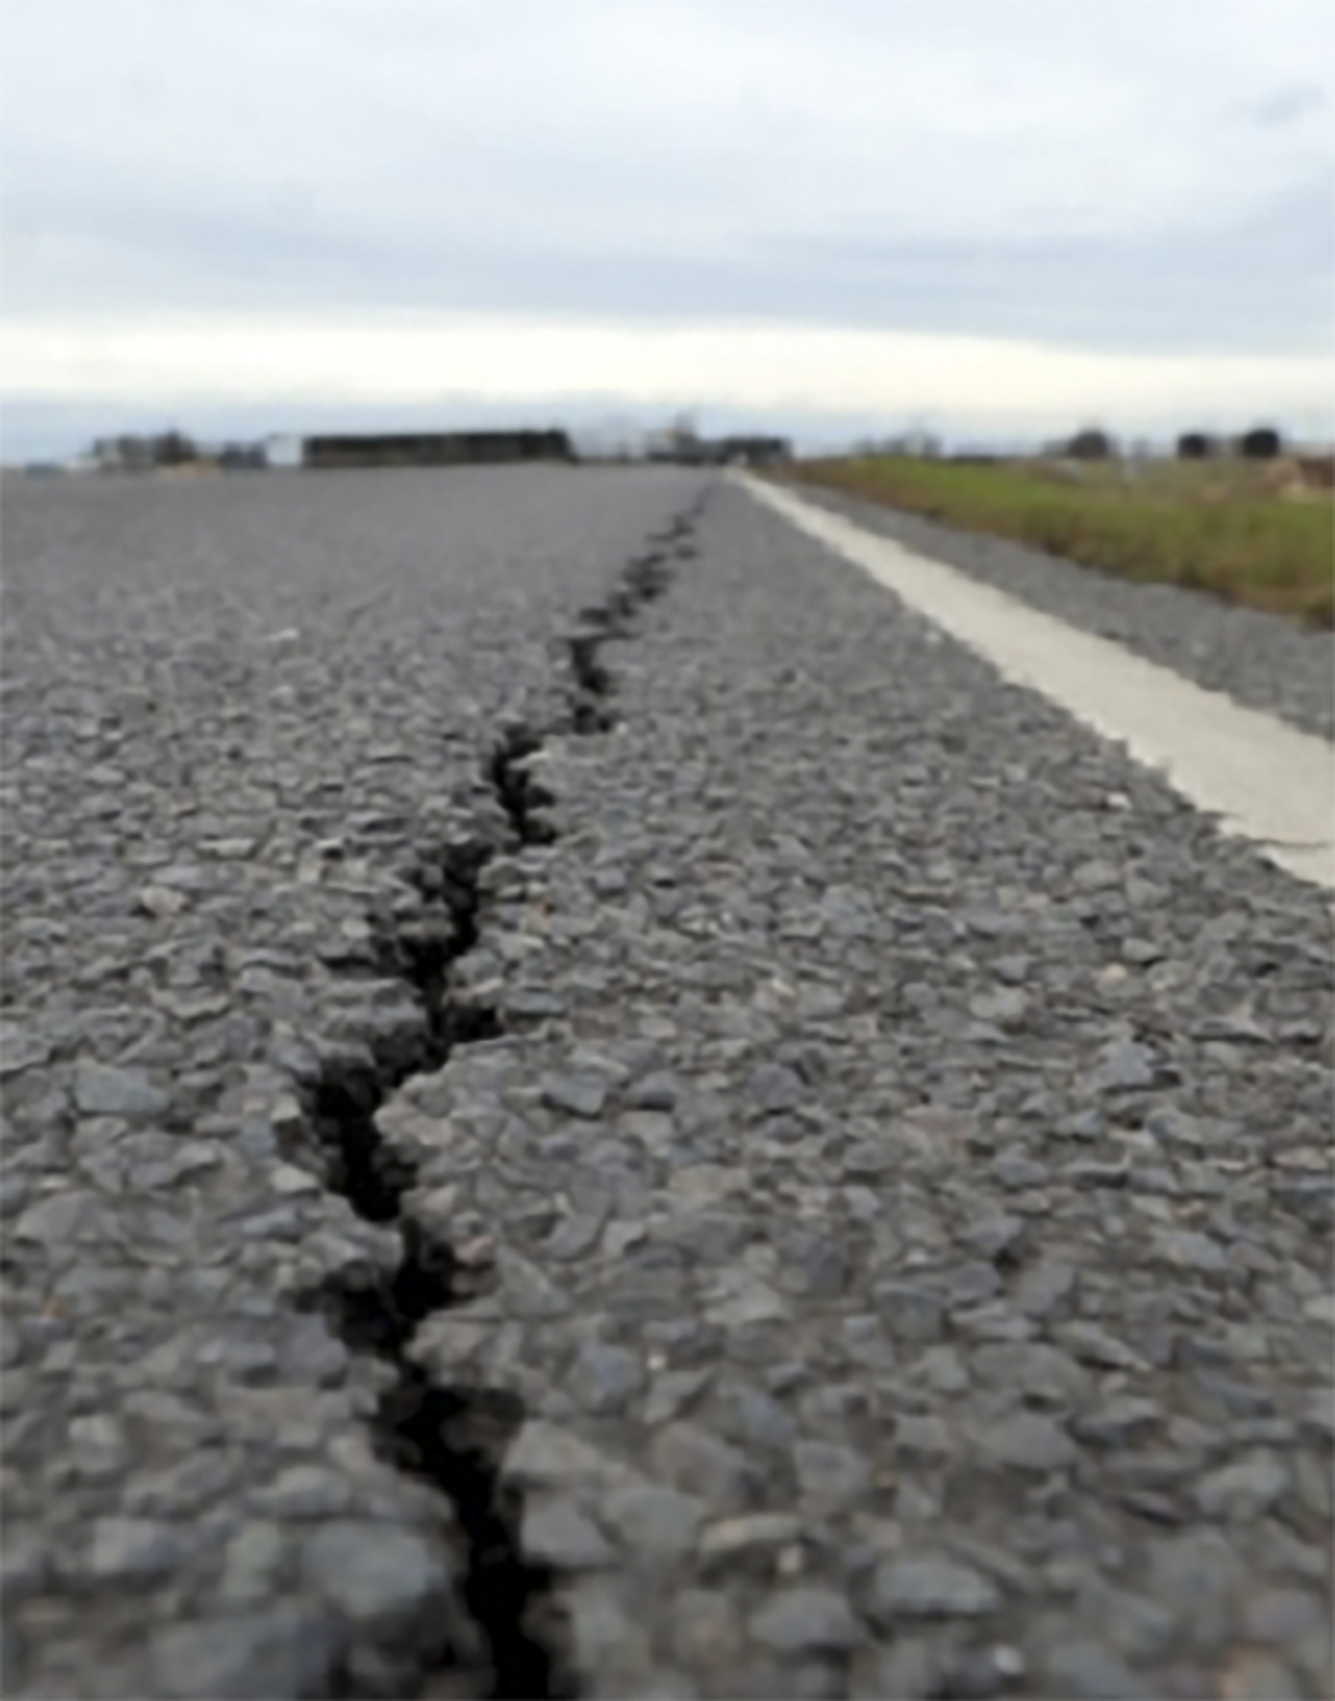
1261 283
1287 105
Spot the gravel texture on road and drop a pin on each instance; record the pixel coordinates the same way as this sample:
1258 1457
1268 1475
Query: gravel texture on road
1262 660
594 1109
240 717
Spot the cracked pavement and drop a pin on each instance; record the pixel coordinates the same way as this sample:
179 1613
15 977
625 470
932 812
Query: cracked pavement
592 1108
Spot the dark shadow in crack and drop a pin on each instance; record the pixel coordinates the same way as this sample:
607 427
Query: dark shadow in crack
455 1439
519 794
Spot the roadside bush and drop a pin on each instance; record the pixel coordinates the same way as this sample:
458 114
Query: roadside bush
1091 444
1262 443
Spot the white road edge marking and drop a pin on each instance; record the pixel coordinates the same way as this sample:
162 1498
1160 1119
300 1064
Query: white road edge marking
1265 781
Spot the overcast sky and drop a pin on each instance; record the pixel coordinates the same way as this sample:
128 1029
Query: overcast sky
994 216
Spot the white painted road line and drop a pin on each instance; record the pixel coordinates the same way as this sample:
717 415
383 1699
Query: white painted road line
1266 781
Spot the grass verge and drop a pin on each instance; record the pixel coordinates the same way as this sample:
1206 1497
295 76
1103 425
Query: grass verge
1233 540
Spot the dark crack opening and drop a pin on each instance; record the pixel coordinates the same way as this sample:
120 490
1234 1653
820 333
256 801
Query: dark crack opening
591 677
451 1438
520 795
645 578
341 1108
455 1439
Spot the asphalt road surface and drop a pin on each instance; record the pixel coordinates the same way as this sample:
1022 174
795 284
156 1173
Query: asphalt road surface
595 1109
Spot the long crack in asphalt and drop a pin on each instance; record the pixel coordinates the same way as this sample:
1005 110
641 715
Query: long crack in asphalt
454 1438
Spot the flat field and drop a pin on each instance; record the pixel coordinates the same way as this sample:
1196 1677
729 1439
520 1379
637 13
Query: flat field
1225 527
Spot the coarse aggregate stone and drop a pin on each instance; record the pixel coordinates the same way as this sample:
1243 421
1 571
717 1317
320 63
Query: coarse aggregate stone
957 1280
887 1209
1262 660
234 712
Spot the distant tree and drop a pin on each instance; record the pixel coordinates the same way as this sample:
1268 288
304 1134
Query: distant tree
1091 444
1261 443
1196 446
173 449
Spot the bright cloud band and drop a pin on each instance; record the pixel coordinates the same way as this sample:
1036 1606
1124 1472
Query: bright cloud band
795 367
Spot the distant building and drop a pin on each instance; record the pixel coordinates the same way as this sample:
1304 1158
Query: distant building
436 449
718 451
754 451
